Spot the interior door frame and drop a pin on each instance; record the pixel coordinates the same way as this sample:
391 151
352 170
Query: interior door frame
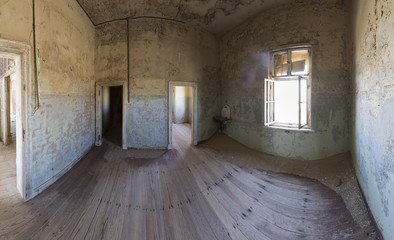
21 53
99 111
171 98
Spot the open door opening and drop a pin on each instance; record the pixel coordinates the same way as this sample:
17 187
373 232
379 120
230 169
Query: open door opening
112 114
9 79
182 114
182 124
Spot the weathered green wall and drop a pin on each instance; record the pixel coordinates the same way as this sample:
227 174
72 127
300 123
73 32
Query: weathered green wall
244 57
372 121
160 51
62 129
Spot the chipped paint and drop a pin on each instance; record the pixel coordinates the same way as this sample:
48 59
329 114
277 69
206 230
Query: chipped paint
244 63
216 16
62 130
160 51
111 52
163 51
373 107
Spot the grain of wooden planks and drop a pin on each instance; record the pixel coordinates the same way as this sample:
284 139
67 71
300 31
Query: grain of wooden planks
189 192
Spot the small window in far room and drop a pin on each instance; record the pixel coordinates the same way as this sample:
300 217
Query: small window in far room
287 90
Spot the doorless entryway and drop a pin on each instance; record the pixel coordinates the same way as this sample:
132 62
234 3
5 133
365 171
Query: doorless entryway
182 108
111 113
15 89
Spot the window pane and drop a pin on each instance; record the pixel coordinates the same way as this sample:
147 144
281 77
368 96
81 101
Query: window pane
280 64
286 101
303 101
299 62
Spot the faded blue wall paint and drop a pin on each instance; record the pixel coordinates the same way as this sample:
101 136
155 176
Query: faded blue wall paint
163 51
244 56
63 128
160 51
372 121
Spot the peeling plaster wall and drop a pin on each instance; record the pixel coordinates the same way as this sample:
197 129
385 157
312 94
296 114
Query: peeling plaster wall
216 16
62 129
111 52
160 51
16 18
372 118
163 51
244 57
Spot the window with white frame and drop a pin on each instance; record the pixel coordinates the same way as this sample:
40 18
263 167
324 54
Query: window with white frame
287 90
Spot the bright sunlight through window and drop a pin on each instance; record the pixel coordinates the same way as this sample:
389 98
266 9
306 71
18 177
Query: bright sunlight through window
287 91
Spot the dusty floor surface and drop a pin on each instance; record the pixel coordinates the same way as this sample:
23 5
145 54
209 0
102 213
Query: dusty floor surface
335 172
194 192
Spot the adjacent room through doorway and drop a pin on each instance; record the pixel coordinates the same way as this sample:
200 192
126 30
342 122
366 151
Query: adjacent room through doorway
183 112
8 79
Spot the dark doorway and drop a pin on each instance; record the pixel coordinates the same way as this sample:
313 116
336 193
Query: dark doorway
112 114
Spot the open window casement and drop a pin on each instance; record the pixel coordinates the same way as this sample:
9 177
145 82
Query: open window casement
269 102
287 90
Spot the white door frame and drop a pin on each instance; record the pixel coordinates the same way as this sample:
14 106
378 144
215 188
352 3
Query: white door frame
21 53
171 98
99 111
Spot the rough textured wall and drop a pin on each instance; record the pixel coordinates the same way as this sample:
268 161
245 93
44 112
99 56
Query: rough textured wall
63 127
216 16
160 51
62 130
373 107
16 18
163 51
244 56
111 52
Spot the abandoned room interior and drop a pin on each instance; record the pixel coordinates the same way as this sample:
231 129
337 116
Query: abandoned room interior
197 119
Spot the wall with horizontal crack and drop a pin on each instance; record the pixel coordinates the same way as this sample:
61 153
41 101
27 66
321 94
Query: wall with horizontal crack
244 57
372 120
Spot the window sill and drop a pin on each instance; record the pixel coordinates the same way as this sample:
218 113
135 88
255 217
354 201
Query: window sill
289 128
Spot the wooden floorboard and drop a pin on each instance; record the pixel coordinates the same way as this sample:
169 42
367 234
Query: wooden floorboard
190 192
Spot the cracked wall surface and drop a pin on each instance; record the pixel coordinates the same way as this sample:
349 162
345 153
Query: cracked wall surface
216 16
62 129
160 51
372 120
111 52
163 51
244 56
